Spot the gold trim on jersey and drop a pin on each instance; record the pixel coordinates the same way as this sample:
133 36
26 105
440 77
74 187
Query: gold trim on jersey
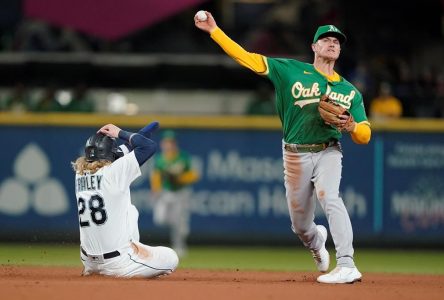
267 70
332 78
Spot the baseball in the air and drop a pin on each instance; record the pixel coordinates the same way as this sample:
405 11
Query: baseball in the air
201 15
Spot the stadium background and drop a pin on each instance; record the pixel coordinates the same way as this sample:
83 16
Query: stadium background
139 65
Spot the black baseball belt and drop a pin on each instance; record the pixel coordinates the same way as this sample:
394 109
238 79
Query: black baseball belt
105 255
305 148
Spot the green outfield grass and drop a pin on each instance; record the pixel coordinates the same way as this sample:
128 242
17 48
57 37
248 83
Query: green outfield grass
242 258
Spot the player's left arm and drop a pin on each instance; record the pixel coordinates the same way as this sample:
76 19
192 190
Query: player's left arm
146 131
143 147
189 176
361 131
123 171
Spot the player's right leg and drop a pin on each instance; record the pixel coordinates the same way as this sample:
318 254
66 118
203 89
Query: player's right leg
149 262
298 169
137 260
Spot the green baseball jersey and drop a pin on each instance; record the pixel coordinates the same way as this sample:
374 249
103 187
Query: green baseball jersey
299 87
171 169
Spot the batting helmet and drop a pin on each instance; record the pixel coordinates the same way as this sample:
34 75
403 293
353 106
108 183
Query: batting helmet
100 146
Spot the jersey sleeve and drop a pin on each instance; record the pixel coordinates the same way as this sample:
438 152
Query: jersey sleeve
123 171
252 61
362 133
357 109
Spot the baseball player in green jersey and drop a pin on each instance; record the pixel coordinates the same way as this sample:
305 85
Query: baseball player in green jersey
311 151
171 176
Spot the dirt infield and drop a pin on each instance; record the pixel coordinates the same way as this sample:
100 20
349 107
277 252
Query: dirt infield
65 283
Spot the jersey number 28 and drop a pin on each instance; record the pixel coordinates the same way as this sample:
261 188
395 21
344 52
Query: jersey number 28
97 208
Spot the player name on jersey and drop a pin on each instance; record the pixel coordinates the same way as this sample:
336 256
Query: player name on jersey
88 183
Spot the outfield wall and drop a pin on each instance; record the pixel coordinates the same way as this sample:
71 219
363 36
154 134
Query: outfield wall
393 187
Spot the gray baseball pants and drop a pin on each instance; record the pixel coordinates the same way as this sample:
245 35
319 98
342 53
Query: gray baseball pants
310 176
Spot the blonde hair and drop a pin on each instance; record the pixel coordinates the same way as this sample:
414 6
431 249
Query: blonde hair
82 166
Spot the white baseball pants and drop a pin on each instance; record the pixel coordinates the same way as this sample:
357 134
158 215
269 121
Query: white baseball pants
135 260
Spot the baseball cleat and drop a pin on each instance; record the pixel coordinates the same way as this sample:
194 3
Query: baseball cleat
321 256
341 275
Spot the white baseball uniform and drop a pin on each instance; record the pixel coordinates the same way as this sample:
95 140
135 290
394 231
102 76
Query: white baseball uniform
109 235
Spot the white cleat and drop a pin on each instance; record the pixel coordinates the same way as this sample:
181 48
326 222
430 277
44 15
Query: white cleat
321 256
341 275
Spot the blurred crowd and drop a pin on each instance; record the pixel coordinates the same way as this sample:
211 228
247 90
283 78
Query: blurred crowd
50 99
53 98
395 59
400 92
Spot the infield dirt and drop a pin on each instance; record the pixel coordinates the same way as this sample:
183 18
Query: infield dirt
18 282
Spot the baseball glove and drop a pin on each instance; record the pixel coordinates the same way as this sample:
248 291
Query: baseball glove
331 113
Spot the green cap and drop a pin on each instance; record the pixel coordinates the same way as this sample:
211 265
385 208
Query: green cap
169 134
329 30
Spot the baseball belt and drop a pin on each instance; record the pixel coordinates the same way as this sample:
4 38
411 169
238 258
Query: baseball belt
100 258
305 148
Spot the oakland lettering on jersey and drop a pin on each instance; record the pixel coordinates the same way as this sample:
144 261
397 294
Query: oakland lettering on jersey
298 90
89 183
344 100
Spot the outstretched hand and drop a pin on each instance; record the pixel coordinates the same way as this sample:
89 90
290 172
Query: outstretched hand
208 25
149 129
110 130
